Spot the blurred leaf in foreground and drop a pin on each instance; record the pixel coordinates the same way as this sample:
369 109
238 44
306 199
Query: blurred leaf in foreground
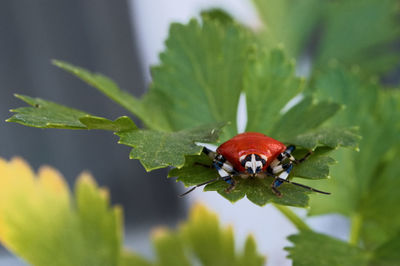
201 241
42 223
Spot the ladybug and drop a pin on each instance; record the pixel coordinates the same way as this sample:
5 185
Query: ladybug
254 155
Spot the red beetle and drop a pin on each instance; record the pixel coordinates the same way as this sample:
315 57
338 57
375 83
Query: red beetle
253 154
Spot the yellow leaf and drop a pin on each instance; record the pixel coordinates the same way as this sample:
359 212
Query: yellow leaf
41 222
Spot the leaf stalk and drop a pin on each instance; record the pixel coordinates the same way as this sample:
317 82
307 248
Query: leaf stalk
293 217
355 229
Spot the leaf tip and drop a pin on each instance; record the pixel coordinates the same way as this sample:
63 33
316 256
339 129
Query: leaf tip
86 178
159 232
57 63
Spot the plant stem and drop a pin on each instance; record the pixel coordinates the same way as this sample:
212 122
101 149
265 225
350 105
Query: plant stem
296 220
355 230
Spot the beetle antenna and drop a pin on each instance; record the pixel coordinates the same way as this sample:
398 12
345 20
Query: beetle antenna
304 157
199 185
304 186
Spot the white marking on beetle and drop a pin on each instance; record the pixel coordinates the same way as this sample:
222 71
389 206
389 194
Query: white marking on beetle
253 164
284 175
277 169
227 167
222 173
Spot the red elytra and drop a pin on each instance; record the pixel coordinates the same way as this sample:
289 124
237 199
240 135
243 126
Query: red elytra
250 143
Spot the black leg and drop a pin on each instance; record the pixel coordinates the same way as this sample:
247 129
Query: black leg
304 158
227 179
232 184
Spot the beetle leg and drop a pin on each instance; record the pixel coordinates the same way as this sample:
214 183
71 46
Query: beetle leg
227 179
283 156
287 154
290 149
304 158
219 162
282 178
224 168
285 170
232 184
226 171
209 153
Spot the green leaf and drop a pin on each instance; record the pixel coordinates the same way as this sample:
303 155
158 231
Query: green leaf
85 230
316 249
149 109
198 81
269 84
364 182
299 126
46 114
203 240
344 35
197 169
316 166
289 22
330 137
304 117
122 123
170 249
155 149
103 84
201 72
161 149
133 259
263 79
335 29
388 253
43 224
250 257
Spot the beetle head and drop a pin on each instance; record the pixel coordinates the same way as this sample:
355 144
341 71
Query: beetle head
253 163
